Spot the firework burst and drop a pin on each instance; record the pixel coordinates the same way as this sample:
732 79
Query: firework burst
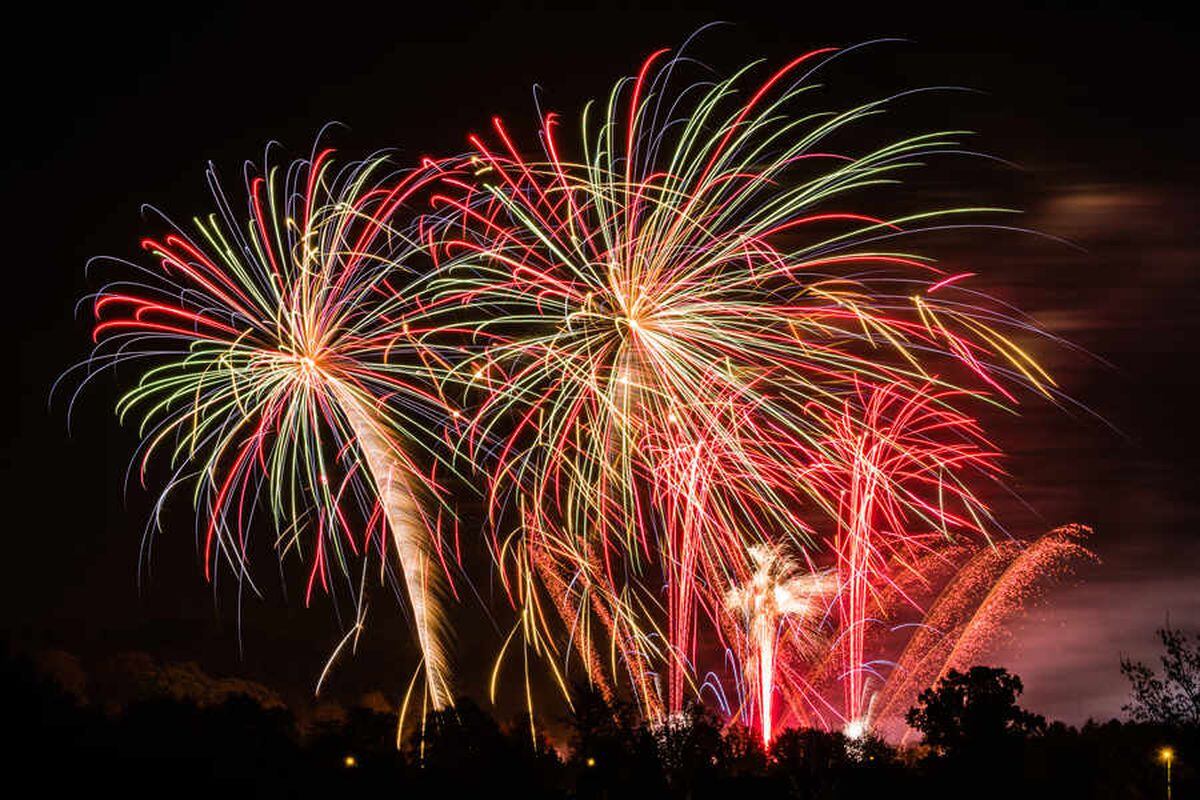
678 329
277 376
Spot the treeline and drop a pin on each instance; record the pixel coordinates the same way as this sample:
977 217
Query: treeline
248 745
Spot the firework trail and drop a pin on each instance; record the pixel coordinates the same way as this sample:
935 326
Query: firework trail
277 371
679 327
1048 557
971 612
898 458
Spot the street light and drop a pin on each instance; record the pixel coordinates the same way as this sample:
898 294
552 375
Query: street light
1167 755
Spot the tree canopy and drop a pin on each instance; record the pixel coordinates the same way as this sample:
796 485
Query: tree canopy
973 711
1174 698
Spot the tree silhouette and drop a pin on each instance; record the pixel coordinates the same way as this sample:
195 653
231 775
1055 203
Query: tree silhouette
742 752
809 761
973 712
1173 699
201 744
611 751
690 750
463 750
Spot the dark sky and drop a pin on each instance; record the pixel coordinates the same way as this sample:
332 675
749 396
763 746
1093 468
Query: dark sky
107 109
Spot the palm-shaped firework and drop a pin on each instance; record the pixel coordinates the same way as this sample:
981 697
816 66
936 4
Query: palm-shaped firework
780 594
278 372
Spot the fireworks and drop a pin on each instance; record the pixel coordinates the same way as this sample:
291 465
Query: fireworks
779 592
281 376
689 352
970 612
721 417
895 459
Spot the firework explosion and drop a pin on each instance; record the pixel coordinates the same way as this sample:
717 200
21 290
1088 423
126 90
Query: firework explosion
690 353
281 377
720 416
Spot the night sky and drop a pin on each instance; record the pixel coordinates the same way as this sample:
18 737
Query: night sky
108 109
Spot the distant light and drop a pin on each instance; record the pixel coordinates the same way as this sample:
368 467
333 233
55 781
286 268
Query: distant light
591 762
350 762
